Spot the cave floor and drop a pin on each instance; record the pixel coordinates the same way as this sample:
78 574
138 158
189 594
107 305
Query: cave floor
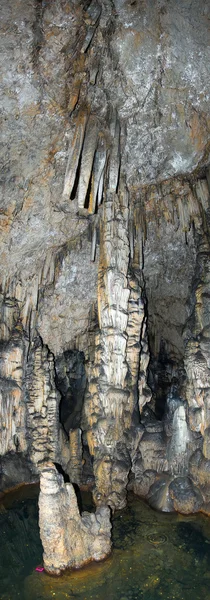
154 556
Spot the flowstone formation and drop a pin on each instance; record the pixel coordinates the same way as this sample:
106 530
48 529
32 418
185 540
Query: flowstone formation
68 538
105 320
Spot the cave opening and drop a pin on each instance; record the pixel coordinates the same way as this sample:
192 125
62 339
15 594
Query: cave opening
71 381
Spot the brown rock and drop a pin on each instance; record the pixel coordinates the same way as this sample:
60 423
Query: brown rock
186 497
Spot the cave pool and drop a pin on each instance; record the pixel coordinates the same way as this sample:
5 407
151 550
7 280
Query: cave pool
155 556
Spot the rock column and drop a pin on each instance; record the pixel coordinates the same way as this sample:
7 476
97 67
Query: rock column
69 539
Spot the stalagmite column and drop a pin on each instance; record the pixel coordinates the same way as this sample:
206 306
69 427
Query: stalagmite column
12 407
197 361
112 395
108 395
69 539
42 406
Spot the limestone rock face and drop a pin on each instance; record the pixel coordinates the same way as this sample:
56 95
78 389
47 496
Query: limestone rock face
68 538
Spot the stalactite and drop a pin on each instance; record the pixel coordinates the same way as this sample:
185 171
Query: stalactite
93 244
114 167
75 444
46 267
193 205
168 207
19 291
74 94
131 237
88 153
98 169
101 188
183 213
74 155
26 312
52 270
88 38
93 12
92 19
208 177
141 250
34 292
202 193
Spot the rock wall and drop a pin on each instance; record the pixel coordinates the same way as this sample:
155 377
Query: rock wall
104 364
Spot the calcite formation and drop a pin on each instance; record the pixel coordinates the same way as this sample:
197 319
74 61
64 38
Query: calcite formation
68 538
104 271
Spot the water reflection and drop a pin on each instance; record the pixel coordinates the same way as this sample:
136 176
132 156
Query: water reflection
154 556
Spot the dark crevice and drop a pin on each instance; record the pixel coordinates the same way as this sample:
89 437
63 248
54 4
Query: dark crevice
76 181
87 199
165 377
75 486
62 472
38 36
70 380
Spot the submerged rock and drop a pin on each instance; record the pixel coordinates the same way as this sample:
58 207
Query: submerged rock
186 497
68 538
159 497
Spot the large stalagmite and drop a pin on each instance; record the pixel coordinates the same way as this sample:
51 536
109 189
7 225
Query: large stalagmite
68 538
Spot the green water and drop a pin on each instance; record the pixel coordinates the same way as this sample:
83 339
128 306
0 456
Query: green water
155 556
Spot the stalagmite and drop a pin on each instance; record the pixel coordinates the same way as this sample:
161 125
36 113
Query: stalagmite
177 451
68 538
12 408
110 394
42 405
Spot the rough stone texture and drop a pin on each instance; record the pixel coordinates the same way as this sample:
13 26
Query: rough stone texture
68 538
186 498
105 246
161 50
